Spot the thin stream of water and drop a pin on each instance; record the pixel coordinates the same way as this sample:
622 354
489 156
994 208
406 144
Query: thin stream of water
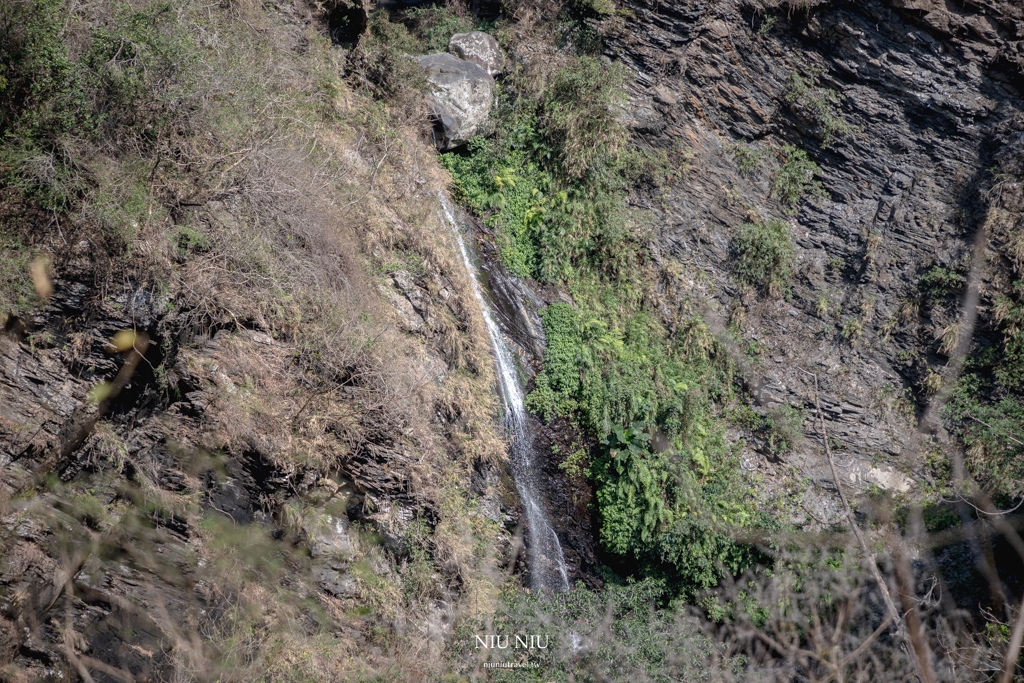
547 562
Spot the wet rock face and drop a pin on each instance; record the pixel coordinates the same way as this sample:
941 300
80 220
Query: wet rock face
462 95
903 104
480 48
568 500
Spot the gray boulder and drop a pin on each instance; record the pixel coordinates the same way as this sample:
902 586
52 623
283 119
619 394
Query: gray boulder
480 48
337 583
332 544
462 94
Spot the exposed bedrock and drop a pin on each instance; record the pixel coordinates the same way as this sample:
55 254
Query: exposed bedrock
903 104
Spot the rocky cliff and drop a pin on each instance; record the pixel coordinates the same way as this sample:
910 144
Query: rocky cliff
293 465
904 107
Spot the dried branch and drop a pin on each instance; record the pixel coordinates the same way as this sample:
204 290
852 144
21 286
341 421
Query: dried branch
921 655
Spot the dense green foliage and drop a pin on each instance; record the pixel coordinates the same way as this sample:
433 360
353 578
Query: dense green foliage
667 507
987 409
764 256
552 179
551 182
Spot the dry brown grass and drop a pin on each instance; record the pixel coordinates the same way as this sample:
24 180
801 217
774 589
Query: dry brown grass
294 193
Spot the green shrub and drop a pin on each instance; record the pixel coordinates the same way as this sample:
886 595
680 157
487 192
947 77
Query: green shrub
120 205
557 387
1008 312
1010 371
130 78
382 59
767 24
16 291
853 329
434 26
764 256
189 239
823 105
939 281
662 509
46 92
579 117
748 159
603 378
784 428
796 177
633 491
993 435
75 122
593 8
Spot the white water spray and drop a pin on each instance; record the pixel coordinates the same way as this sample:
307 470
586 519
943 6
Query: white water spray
547 563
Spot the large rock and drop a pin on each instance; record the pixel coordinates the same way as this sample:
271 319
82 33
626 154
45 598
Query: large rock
480 48
462 95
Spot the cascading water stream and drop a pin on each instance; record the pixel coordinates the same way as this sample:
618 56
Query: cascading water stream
547 563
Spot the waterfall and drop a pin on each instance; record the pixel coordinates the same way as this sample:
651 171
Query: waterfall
547 563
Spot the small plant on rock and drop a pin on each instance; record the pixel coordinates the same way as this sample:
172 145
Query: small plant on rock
940 281
823 308
822 105
853 329
435 26
764 256
796 177
748 159
784 426
767 24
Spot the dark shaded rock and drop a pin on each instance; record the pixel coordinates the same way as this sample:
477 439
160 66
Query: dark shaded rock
346 20
336 583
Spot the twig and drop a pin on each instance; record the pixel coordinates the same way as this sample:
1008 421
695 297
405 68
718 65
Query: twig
135 356
1016 441
876 575
853 656
996 513
373 177
919 655
819 520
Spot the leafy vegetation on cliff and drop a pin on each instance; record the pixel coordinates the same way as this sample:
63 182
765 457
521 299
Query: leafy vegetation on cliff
764 256
212 159
552 183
